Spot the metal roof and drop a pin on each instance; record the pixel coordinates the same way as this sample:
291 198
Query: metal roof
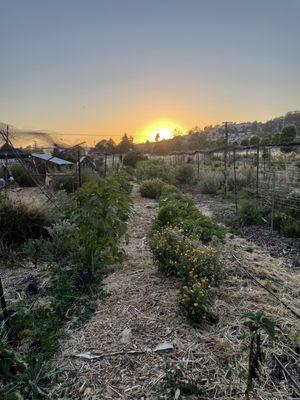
50 158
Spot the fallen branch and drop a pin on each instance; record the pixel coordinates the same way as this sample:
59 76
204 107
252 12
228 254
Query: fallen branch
90 356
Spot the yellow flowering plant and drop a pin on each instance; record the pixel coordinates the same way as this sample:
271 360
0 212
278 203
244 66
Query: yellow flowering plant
195 301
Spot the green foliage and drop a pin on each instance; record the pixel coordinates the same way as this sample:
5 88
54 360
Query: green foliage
179 210
131 158
184 174
211 182
249 212
23 176
76 250
19 222
69 182
195 300
155 169
287 225
256 322
154 188
176 254
288 134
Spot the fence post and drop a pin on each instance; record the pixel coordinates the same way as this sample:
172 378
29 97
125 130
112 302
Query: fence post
105 164
257 171
198 166
79 167
235 191
273 201
4 309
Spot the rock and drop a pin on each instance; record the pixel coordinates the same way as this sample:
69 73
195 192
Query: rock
126 336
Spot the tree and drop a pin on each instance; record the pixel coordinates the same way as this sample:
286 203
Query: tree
254 140
288 134
106 146
126 144
276 139
245 142
157 137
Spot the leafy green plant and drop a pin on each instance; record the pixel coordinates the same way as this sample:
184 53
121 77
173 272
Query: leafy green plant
249 212
184 174
154 188
179 210
69 183
157 168
256 322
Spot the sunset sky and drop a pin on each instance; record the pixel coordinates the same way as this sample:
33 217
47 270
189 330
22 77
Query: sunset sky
106 67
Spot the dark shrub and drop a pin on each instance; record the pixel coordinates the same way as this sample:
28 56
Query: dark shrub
154 188
22 176
130 159
249 212
184 174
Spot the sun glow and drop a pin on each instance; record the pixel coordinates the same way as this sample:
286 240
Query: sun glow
164 128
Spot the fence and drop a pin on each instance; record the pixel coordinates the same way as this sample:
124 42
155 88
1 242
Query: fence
274 173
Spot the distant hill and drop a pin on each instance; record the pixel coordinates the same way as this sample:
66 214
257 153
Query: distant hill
239 131
23 138
213 136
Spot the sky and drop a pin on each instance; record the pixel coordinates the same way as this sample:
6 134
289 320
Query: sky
98 68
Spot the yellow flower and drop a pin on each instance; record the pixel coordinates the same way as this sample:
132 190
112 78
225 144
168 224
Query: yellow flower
195 304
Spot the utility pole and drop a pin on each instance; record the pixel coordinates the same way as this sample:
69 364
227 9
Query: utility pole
225 158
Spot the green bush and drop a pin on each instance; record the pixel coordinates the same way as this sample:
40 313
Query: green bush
154 188
158 168
211 182
249 212
131 158
179 210
69 182
22 176
184 174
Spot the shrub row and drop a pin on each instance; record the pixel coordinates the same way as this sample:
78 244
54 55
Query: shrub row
76 251
149 169
183 243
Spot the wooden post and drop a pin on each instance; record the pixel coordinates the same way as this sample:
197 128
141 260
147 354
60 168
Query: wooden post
113 160
4 309
198 166
257 171
273 201
235 191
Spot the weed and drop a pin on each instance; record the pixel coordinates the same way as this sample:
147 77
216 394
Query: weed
249 212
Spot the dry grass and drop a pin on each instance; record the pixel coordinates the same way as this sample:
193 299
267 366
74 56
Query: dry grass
141 312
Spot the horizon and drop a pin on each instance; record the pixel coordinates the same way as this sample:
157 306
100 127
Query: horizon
99 69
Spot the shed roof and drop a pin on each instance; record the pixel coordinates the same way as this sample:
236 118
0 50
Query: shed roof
50 158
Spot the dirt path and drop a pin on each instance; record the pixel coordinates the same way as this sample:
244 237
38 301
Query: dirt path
142 312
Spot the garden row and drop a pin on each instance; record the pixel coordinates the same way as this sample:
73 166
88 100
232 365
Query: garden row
185 243
74 248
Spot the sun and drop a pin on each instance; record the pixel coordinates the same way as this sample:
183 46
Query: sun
163 128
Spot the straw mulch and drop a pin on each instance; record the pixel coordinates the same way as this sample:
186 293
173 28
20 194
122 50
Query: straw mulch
141 312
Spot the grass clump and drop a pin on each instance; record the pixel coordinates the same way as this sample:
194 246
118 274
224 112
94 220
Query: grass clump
211 182
19 222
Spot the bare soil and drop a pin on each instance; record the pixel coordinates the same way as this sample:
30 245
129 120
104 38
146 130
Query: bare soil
141 311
